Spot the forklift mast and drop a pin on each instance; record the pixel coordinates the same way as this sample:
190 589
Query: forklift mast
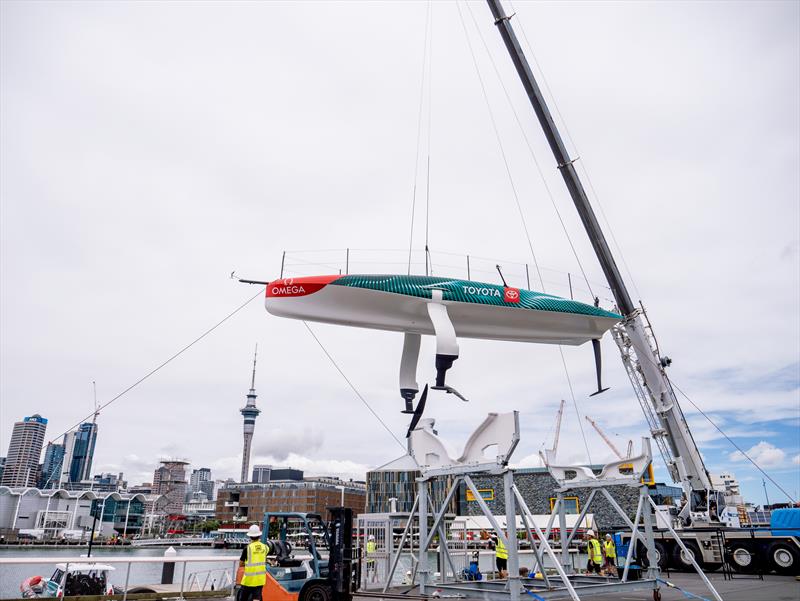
340 563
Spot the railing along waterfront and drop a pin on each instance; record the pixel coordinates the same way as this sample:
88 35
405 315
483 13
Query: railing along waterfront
129 561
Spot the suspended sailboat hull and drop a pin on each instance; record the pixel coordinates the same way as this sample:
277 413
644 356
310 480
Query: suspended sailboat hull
476 309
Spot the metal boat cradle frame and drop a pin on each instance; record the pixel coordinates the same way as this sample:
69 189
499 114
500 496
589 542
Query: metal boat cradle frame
501 432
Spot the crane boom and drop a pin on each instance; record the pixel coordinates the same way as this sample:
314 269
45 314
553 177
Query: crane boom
605 438
639 352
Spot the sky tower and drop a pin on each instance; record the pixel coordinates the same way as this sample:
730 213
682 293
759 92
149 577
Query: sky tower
249 413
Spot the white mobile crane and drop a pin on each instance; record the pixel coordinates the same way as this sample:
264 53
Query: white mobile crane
646 369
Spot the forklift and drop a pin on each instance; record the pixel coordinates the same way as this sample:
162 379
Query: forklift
297 570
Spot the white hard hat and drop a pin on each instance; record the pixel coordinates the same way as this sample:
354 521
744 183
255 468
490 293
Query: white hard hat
608 536
371 537
254 531
590 532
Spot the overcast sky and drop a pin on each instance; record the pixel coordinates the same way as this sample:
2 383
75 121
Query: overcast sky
149 149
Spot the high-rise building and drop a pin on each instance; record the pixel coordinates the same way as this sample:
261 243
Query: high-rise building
51 466
261 474
78 453
169 480
249 413
24 450
200 482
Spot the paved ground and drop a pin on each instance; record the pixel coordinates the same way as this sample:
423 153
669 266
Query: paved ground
772 588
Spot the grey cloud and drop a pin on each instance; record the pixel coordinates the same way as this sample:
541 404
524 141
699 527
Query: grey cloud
280 443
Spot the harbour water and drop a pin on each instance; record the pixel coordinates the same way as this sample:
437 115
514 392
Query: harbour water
11 575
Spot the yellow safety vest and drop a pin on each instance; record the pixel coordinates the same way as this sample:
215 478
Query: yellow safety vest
255 568
500 549
611 551
594 551
372 548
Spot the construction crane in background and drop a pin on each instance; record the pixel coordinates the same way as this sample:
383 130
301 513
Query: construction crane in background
607 440
559 415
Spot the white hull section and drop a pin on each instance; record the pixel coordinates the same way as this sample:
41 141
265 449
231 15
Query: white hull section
373 309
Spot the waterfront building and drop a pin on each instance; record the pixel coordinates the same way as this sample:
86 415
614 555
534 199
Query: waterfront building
58 513
146 488
247 503
51 466
199 508
729 485
78 454
267 473
169 480
108 481
538 487
261 474
249 413
200 482
398 480
24 451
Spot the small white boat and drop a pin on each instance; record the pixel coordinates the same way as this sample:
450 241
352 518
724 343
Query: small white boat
71 580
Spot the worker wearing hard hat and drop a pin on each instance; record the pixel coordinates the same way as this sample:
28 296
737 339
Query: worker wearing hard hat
610 555
500 555
371 548
594 551
254 564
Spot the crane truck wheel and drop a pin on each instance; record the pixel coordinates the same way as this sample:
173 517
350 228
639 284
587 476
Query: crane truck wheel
742 558
662 556
316 590
784 559
681 561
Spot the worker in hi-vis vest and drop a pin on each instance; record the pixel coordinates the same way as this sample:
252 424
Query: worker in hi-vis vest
594 551
371 549
254 562
610 554
500 554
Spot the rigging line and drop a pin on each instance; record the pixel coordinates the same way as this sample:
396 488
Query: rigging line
730 440
499 142
165 363
419 135
428 167
575 404
349 383
575 148
521 214
720 430
530 150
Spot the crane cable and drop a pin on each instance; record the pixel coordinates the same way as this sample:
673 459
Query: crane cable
521 214
730 440
351 385
428 163
575 148
530 150
165 363
419 135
